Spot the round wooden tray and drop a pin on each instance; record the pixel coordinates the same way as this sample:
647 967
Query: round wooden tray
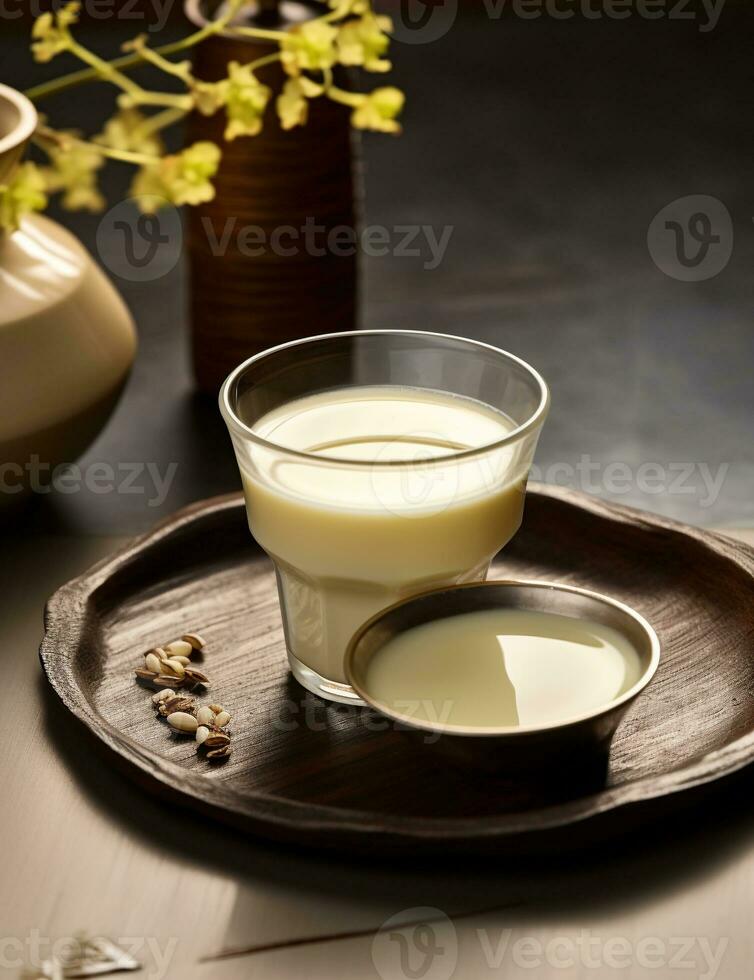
320 774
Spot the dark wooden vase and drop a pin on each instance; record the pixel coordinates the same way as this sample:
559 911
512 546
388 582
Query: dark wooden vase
258 276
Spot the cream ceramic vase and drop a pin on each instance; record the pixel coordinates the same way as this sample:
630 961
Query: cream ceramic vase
67 340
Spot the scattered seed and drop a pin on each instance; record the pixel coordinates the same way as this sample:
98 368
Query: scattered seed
205 716
180 648
194 640
177 703
169 668
164 680
215 739
177 668
181 721
195 676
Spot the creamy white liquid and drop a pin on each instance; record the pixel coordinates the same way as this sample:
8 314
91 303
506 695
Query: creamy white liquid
503 667
349 540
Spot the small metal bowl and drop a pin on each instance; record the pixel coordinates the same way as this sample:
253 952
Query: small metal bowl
585 738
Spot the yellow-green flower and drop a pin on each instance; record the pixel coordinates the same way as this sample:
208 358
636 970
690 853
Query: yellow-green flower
126 131
379 109
309 47
50 32
364 41
73 171
246 101
25 193
183 178
209 96
345 7
148 188
292 106
69 14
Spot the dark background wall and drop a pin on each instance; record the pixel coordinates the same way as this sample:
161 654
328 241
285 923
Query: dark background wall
547 147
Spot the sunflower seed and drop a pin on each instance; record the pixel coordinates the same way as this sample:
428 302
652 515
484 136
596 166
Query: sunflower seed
177 703
164 680
217 754
153 663
221 719
196 642
179 648
183 722
215 739
177 668
217 708
205 716
201 734
184 698
145 675
181 660
195 676
162 695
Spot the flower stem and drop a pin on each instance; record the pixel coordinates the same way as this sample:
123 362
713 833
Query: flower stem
104 69
90 74
268 59
159 121
351 99
44 137
337 14
124 156
168 99
258 32
180 69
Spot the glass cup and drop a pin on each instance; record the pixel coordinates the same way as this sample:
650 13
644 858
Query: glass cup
362 498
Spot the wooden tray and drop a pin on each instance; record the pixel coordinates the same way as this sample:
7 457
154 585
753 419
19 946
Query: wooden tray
315 773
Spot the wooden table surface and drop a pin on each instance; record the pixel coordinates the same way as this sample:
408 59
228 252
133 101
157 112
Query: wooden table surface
84 850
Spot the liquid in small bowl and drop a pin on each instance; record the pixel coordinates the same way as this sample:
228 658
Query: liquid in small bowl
505 672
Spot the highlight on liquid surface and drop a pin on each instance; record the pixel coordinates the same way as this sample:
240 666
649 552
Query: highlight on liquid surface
383 421
383 424
350 540
503 667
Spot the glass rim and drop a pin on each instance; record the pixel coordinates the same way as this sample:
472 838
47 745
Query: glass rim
234 423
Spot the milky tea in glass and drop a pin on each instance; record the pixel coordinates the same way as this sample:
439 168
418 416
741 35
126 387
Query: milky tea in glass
375 465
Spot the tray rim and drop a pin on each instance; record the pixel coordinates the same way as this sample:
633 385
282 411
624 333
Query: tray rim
278 816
